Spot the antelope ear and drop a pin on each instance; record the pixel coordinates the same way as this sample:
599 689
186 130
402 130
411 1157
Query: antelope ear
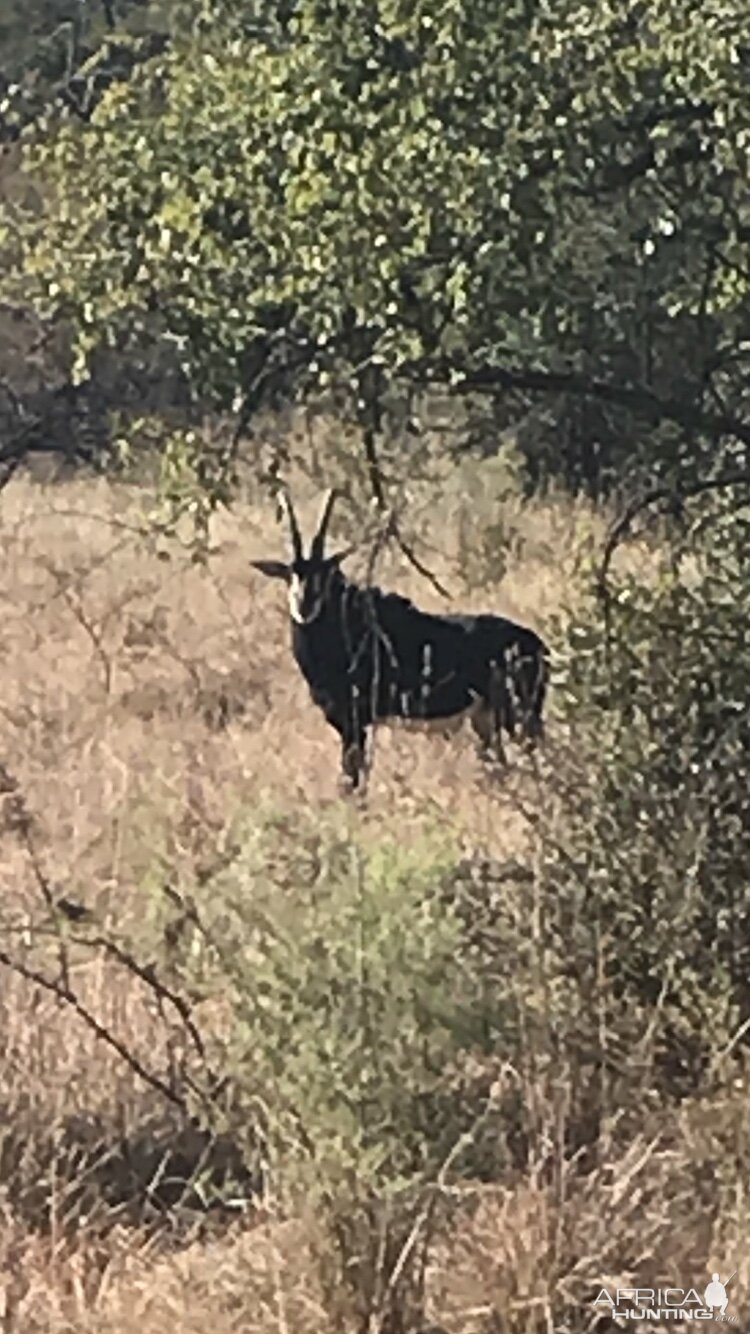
338 556
275 569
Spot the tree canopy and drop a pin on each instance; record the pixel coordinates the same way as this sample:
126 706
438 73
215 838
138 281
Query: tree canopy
533 201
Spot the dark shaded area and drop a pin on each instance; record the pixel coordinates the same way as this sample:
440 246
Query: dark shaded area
61 55
161 1171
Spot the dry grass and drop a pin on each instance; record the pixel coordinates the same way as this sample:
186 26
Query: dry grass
156 689
147 703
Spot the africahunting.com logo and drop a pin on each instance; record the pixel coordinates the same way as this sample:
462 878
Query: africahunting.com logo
669 1303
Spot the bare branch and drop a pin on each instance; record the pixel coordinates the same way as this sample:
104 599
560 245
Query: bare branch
422 569
639 399
147 974
660 495
64 993
391 528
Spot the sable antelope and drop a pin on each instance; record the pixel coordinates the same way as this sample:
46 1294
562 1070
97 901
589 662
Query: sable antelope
370 656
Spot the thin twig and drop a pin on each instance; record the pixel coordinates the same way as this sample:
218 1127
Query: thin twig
422 569
659 495
68 996
392 529
22 823
426 1213
88 626
147 974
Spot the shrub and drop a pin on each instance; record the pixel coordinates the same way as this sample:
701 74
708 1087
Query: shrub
352 1008
654 876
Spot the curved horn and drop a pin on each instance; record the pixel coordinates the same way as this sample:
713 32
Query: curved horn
325 516
288 508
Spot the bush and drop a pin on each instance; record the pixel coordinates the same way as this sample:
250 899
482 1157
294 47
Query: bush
654 876
352 1009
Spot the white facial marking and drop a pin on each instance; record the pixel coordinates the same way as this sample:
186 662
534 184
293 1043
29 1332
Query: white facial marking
296 592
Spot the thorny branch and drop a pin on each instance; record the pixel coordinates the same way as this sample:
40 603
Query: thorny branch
147 974
66 994
19 820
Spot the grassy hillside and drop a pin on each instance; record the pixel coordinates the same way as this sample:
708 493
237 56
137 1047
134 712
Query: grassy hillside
165 771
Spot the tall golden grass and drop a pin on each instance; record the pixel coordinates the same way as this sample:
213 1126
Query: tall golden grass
146 703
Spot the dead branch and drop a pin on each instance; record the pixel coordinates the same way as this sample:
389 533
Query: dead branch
64 993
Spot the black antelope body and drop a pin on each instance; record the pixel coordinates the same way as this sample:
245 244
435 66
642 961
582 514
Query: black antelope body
370 656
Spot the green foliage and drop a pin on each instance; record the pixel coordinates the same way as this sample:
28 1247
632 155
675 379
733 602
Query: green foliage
351 1008
349 1001
655 867
395 1016
442 189
193 481
57 54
